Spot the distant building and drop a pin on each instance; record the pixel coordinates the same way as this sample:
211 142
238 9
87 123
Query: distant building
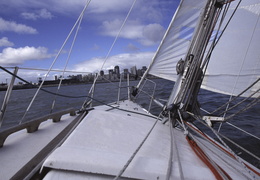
110 73
139 73
144 68
102 73
79 77
133 71
117 71
125 73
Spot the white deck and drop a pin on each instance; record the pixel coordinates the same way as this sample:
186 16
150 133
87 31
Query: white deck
19 148
105 140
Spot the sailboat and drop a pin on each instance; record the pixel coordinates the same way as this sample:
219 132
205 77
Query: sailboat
211 44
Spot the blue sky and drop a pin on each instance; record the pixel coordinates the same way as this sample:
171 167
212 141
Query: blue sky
32 32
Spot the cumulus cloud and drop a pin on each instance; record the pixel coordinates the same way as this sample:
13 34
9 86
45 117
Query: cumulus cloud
125 60
12 56
40 14
5 42
15 27
146 34
152 33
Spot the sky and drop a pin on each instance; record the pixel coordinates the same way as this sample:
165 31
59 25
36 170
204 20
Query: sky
32 33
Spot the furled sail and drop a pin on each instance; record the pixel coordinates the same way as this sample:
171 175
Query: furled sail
235 61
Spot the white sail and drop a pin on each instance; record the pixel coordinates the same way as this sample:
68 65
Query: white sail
176 41
235 66
232 68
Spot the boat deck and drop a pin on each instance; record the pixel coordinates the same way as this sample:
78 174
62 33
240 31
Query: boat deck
105 141
22 150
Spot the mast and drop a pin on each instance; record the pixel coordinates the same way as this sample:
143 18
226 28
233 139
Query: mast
190 72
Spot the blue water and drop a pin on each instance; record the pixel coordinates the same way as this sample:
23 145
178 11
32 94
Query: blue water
107 93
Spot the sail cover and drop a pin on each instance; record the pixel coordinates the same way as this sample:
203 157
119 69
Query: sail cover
235 62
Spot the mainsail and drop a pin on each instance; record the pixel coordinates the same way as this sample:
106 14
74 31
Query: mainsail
232 68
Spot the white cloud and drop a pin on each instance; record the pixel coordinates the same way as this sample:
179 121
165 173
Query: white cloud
146 34
126 60
15 27
12 56
5 42
40 14
152 33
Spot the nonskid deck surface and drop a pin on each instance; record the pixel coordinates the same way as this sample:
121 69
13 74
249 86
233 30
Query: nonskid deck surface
106 139
20 147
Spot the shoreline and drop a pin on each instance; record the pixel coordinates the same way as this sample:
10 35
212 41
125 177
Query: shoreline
31 86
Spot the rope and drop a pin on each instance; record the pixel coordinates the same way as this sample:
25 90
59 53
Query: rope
170 162
201 134
227 147
136 151
199 152
220 156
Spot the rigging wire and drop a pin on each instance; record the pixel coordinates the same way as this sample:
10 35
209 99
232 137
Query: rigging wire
52 70
136 151
248 106
235 96
217 134
242 65
206 146
54 61
216 38
67 61
113 44
239 103
243 130
215 143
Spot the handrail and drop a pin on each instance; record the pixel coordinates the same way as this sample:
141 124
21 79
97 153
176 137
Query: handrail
7 97
33 125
